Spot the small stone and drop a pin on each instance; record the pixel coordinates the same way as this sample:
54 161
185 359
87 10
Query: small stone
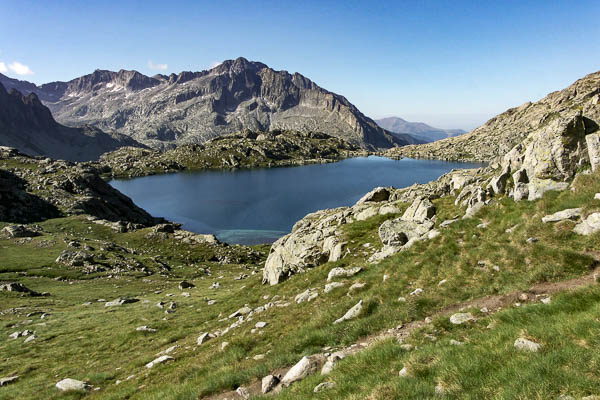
546 300
30 338
307 295
299 371
268 383
159 360
406 347
416 292
351 313
342 272
532 240
461 318
403 372
323 386
527 345
68 384
402 299
439 390
8 380
385 277
333 285
442 282
456 342
224 344
523 297
243 392
260 324
145 328
204 337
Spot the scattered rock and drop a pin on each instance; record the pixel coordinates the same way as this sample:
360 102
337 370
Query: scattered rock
333 285
18 288
416 292
323 386
243 392
17 231
461 318
527 345
269 382
342 272
532 240
8 380
376 195
145 328
204 337
68 384
351 313
404 372
589 225
301 370
570 213
120 302
260 324
159 360
307 295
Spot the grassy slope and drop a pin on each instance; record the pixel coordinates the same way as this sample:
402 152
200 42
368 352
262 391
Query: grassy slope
101 345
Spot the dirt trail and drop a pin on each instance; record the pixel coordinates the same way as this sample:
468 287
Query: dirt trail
493 303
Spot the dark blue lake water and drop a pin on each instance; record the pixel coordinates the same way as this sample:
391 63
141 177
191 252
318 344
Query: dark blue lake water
261 205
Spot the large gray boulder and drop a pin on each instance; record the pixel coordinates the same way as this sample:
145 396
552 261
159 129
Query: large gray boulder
589 225
420 210
398 232
569 213
68 384
593 146
376 195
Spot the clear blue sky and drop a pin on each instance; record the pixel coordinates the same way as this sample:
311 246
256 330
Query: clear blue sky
448 63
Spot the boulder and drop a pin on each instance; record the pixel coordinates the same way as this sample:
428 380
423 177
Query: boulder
523 344
17 231
376 195
367 213
333 285
159 360
185 285
17 287
307 295
521 191
554 152
351 313
589 225
119 302
268 383
420 210
204 337
68 384
570 213
399 231
342 273
8 380
537 187
461 318
498 183
593 146
304 367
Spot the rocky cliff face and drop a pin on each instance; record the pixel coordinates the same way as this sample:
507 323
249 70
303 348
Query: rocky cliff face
193 107
501 133
26 124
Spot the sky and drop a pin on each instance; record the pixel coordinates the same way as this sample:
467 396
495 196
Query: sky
452 64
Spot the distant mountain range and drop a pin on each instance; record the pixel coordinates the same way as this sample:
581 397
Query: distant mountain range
419 130
192 107
25 123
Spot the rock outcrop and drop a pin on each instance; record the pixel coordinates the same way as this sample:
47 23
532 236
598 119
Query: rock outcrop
500 134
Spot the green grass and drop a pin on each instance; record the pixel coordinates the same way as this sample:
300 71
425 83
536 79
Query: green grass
487 365
102 346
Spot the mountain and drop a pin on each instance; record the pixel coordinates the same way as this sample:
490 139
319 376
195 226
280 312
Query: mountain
418 130
500 134
25 123
193 107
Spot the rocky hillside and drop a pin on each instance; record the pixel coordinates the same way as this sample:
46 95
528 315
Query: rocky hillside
26 124
418 130
36 189
242 150
501 133
193 107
